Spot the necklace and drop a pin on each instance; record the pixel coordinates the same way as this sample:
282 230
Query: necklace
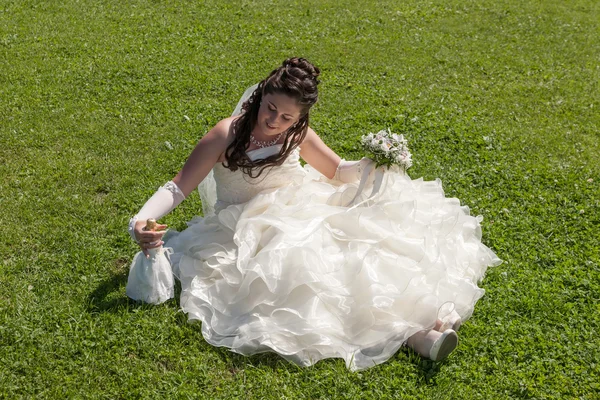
264 143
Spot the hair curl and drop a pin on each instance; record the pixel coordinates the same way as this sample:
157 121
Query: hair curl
296 78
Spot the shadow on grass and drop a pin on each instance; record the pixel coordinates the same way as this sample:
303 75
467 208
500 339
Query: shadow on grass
104 298
426 368
267 360
108 296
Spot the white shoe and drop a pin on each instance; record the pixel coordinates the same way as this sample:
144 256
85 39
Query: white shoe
443 346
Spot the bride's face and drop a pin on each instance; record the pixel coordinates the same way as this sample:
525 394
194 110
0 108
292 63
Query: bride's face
277 113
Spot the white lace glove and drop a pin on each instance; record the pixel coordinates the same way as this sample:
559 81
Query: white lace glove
166 198
351 171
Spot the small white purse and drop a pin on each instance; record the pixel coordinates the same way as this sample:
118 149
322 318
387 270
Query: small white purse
151 279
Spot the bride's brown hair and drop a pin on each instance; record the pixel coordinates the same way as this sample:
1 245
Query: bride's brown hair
296 78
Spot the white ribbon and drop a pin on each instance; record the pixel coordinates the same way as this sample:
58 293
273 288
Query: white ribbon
379 173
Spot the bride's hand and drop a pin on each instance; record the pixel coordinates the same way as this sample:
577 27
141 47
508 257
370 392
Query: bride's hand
149 239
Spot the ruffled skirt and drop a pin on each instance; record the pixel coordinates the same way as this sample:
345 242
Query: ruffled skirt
296 272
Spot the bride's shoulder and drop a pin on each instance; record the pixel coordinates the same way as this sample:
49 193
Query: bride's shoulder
222 131
220 137
310 137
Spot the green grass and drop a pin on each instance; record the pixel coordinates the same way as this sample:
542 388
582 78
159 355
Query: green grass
499 99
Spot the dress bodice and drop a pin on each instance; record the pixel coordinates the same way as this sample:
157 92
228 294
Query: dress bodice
235 187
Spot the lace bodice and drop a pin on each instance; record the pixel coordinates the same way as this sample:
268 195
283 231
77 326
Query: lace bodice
234 187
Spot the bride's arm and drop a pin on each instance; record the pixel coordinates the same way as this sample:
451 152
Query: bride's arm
324 160
316 153
202 159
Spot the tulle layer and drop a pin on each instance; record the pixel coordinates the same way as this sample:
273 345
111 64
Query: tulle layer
297 272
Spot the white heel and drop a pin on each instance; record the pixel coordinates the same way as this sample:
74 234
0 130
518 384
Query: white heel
443 346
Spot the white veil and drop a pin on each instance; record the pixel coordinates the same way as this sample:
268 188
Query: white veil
208 187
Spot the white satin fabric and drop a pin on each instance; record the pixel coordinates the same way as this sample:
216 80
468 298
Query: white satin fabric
286 266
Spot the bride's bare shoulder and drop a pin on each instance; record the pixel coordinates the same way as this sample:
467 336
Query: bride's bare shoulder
221 135
222 132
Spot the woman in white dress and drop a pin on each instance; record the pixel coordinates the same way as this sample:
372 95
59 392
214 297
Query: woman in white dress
283 263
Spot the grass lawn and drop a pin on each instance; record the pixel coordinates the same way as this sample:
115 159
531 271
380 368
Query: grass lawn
102 101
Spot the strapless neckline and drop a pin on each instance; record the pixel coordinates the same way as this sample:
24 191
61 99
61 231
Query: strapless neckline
264 152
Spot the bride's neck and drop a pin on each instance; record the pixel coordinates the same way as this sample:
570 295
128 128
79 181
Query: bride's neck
262 137
259 135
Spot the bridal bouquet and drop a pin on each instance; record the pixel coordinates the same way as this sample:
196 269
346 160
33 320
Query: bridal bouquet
387 149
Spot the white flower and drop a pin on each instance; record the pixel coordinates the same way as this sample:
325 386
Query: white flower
387 148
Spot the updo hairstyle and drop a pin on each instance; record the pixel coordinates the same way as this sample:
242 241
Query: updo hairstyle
296 78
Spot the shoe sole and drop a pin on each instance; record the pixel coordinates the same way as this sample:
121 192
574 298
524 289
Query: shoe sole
447 344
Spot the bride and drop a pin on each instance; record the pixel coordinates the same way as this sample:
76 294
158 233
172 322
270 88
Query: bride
282 263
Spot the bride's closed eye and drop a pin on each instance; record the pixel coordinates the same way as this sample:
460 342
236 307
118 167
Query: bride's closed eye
285 117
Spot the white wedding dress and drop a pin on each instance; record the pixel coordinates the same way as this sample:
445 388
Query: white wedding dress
284 265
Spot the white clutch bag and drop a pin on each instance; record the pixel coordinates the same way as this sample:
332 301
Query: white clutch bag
151 279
